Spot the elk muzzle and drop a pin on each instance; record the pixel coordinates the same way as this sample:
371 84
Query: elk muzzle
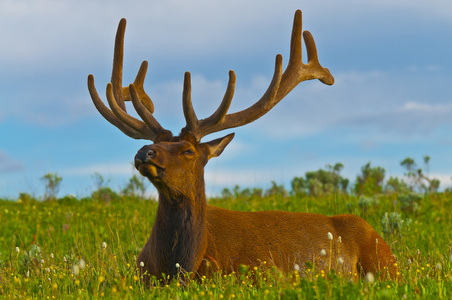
148 161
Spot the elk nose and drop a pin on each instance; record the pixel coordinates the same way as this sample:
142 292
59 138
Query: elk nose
145 154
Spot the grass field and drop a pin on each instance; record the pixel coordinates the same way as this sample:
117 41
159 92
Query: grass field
85 248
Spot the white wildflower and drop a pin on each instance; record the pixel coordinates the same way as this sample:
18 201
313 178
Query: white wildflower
177 266
17 250
296 267
438 267
323 252
75 270
340 261
141 264
330 236
27 274
370 277
51 255
82 263
48 270
339 239
104 245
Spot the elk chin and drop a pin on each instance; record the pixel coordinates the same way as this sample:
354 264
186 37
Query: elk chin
148 170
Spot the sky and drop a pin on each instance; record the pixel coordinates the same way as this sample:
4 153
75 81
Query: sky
391 98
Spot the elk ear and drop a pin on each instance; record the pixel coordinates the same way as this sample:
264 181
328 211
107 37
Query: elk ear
216 147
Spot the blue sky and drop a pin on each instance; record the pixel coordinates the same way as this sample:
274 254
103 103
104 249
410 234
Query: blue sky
391 99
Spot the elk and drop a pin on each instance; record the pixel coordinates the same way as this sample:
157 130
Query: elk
188 233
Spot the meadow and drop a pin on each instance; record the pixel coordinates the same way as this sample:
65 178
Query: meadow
86 248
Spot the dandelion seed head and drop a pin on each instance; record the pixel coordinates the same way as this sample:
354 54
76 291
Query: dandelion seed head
370 277
330 236
323 252
296 267
82 263
75 270
340 261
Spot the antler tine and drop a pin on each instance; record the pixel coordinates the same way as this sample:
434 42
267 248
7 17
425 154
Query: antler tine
296 71
313 60
200 128
118 57
146 115
108 114
282 83
150 129
122 93
127 119
218 116
139 86
187 105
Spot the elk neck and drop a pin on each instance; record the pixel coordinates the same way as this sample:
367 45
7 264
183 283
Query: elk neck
180 231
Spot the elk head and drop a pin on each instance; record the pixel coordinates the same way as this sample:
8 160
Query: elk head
173 167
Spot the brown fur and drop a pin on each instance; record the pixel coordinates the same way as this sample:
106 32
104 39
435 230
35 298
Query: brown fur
195 235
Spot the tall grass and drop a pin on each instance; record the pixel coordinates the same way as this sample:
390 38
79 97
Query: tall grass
80 249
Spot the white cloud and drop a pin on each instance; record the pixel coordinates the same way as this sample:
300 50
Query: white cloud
445 179
427 108
107 169
228 178
8 164
70 32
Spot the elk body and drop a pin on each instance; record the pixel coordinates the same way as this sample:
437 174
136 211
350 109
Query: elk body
196 236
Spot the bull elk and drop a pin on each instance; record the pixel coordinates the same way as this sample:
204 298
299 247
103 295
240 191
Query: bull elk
196 236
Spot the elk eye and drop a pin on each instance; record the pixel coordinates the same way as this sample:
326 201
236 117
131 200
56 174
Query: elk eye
188 152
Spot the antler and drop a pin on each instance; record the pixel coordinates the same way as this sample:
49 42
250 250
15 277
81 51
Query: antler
150 129
281 85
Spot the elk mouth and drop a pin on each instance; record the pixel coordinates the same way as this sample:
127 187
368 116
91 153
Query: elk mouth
148 168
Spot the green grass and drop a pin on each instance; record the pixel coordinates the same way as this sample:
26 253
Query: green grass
53 237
